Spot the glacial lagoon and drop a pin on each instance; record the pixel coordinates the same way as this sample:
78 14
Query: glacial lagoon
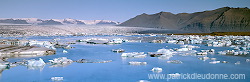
119 69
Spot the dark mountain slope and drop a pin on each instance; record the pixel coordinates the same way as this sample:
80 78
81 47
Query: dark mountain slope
224 19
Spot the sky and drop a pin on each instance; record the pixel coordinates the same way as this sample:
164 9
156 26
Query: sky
116 10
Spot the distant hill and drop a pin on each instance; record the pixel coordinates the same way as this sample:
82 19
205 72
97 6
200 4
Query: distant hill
67 21
224 19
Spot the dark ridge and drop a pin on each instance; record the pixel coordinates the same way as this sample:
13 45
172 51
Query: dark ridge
224 19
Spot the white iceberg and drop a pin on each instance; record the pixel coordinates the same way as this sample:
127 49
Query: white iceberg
61 61
137 63
64 51
33 62
56 78
157 69
214 62
134 55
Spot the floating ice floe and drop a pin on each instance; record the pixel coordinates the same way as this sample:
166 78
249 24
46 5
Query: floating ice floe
247 60
46 44
183 49
214 62
137 63
167 57
213 59
92 61
157 41
118 50
237 63
157 69
165 51
67 47
201 53
103 41
208 51
239 42
203 58
224 62
64 51
116 41
232 52
143 81
134 55
162 53
175 61
56 78
34 62
62 61
189 46
172 41
180 42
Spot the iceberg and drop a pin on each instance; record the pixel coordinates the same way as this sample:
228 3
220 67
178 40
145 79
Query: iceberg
237 63
134 55
175 61
137 63
64 51
62 61
37 63
204 58
56 78
118 50
214 62
157 69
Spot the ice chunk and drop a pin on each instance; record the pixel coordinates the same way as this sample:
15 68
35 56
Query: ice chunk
157 69
172 41
64 51
165 51
247 60
56 78
214 62
237 63
33 62
201 53
213 59
189 46
175 61
143 81
116 41
204 58
62 61
118 50
183 49
224 62
134 55
92 61
137 63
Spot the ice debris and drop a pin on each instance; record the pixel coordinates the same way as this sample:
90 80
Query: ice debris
137 63
34 62
134 55
157 69
56 78
175 61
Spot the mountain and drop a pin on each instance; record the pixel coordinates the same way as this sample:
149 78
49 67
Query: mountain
50 22
99 22
67 21
224 19
13 21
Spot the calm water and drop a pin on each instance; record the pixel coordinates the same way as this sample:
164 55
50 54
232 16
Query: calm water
119 70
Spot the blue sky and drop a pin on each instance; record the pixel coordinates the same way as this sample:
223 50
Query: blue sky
117 10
